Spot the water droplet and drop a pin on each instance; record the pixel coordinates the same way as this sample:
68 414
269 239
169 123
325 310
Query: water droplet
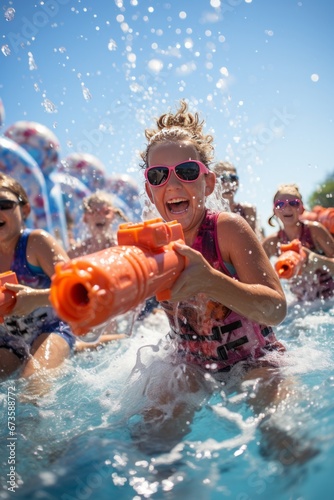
5 50
9 14
49 106
155 65
188 43
112 45
31 61
85 92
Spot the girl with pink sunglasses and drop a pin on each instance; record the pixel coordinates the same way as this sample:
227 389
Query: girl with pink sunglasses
316 280
223 305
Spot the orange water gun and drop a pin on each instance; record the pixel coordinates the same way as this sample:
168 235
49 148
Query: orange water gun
7 297
289 263
326 217
89 290
323 215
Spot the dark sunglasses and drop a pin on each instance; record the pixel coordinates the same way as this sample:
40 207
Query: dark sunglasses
282 204
8 204
229 177
187 171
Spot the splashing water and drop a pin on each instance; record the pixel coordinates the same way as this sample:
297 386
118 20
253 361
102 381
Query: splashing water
86 437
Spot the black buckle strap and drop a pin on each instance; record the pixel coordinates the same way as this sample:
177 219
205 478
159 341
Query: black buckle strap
222 350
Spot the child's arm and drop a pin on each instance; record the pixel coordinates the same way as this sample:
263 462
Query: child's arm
28 299
322 238
42 251
270 245
316 261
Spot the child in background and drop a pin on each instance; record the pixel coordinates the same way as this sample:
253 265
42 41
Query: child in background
99 217
32 337
226 173
316 280
225 301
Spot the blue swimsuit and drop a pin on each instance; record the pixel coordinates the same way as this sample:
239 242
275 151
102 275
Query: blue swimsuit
18 333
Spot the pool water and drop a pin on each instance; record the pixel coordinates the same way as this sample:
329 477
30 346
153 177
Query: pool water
78 441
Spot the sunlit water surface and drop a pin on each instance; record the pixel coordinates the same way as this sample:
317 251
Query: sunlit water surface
76 443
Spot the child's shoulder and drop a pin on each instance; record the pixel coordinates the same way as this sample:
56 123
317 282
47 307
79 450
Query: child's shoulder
230 218
233 227
39 240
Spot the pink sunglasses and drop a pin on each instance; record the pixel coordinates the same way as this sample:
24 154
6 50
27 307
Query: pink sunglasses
187 171
279 204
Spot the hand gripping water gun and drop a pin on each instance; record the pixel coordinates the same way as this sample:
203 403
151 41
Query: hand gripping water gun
7 297
291 260
89 290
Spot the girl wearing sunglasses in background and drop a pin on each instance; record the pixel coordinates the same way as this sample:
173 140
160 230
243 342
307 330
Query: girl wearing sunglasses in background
316 280
32 338
222 305
227 175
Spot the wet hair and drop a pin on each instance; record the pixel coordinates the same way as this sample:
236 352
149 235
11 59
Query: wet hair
222 166
105 198
10 184
180 126
290 189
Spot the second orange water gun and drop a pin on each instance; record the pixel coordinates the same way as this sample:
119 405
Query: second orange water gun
323 215
90 290
289 263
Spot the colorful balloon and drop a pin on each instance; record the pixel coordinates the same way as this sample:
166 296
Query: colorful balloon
19 164
73 192
39 141
127 190
42 144
87 168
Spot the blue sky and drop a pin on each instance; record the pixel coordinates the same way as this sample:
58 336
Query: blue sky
259 72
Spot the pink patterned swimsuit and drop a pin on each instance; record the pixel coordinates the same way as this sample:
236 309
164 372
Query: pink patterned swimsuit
208 333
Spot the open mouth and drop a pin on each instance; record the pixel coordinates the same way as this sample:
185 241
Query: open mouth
178 205
229 190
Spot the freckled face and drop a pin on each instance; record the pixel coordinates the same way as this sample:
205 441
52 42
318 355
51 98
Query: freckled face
177 200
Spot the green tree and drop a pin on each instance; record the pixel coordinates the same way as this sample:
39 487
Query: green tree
324 194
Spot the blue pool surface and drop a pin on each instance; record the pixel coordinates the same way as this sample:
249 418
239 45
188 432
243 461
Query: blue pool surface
78 441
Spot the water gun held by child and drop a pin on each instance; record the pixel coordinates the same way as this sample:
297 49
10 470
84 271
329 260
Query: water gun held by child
7 297
89 290
289 263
